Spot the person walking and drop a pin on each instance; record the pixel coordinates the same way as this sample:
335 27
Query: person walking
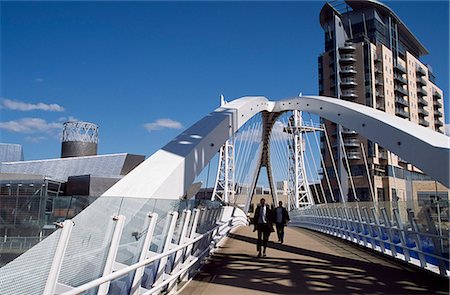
263 219
282 218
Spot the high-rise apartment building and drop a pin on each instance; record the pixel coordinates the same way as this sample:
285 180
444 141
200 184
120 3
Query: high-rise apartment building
372 58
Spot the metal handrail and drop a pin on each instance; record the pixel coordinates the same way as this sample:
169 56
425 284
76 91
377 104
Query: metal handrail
133 267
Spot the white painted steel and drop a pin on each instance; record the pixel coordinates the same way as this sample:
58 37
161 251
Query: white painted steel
145 252
173 168
230 219
112 253
52 279
374 231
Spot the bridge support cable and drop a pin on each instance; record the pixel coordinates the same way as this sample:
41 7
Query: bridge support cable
307 139
246 139
325 170
279 155
349 172
330 151
369 177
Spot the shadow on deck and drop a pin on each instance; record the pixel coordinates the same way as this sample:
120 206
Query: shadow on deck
308 263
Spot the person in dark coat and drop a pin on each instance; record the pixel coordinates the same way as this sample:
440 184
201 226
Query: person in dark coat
263 221
281 219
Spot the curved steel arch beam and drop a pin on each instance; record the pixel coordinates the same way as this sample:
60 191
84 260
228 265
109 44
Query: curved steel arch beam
423 147
169 172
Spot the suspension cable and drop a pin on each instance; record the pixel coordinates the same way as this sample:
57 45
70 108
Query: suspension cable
372 191
338 181
348 167
323 165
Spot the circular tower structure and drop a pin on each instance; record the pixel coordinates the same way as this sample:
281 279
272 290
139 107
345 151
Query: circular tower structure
79 139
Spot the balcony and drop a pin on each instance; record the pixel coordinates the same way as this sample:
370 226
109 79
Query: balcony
345 58
438 122
420 81
349 70
346 131
401 113
400 79
382 154
354 155
437 103
422 111
423 122
378 70
421 71
379 94
348 47
351 142
422 101
379 82
401 90
349 94
349 82
437 95
422 91
400 68
378 58
380 106
401 100
437 113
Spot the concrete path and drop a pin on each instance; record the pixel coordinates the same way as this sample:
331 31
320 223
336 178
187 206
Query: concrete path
307 263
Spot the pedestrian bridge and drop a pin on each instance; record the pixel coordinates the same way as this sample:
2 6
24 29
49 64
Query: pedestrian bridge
147 235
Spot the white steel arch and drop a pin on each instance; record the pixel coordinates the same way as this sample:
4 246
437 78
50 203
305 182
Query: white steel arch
170 171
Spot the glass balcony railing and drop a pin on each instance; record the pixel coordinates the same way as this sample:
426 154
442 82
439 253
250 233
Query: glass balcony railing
437 95
347 58
437 113
421 71
348 70
424 122
401 113
349 82
438 122
421 81
422 91
401 90
400 79
422 101
348 94
400 68
422 111
354 155
437 103
401 100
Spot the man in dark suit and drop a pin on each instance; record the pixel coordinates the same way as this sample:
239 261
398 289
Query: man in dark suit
281 219
263 219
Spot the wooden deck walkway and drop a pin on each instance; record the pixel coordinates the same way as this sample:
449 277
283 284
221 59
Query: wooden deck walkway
307 263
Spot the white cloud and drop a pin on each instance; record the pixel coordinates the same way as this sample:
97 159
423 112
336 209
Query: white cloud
164 123
68 119
30 126
39 80
447 129
24 106
34 139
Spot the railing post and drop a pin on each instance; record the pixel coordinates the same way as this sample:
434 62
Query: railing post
112 253
437 245
191 248
52 279
387 225
370 229
149 228
166 247
178 259
415 229
399 225
379 230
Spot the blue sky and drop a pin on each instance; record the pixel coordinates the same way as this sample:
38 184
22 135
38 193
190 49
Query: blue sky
143 71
